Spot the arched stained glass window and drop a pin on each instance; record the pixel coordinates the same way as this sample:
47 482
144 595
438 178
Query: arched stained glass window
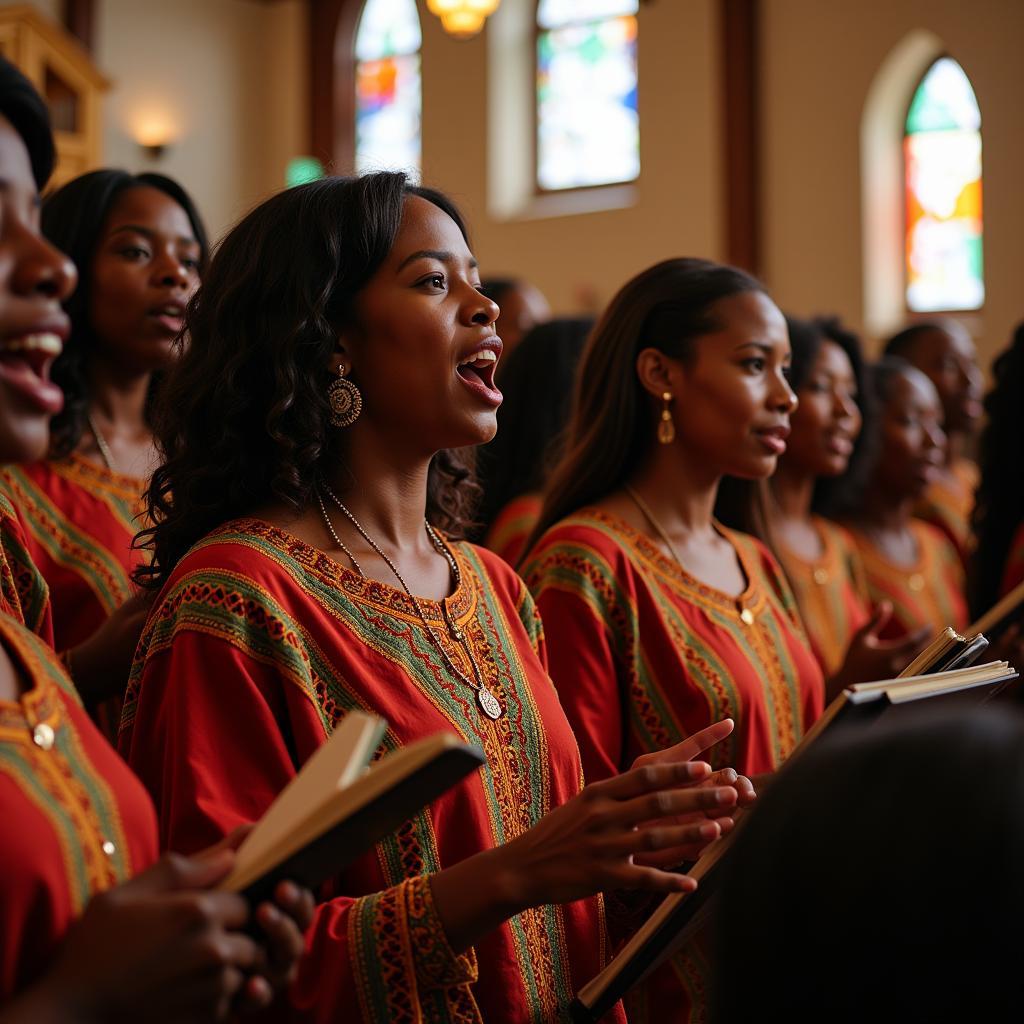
588 131
388 99
942 169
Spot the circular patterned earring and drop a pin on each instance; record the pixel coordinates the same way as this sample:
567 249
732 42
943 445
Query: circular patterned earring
345 400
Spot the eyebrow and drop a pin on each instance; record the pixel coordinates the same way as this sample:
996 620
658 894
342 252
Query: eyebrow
441 255
763 346
150 233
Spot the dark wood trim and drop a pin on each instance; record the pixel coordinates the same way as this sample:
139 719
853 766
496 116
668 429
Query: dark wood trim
740 57
332 27
80 21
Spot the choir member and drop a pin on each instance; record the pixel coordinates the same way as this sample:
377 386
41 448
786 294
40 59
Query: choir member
909 563
944 352
81 939
537 384
825 451
305 543
139 245
658 620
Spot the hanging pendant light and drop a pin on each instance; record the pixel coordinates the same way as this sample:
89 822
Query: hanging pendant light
462 18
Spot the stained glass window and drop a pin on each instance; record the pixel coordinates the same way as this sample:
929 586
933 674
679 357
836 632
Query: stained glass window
942 167
588 131
388 102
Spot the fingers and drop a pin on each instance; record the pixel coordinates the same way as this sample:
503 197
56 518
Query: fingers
637 876
696 744
669 803
662 837
175 873
257 994
648 778
284 937
297 902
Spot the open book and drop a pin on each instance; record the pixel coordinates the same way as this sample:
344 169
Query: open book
951 650
336 807
677 917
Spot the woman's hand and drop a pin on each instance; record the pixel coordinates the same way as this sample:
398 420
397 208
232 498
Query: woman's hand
687 750
283 924
160 947
587 845
166 947
869 658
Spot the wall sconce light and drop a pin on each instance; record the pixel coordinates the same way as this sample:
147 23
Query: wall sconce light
154 135
462 18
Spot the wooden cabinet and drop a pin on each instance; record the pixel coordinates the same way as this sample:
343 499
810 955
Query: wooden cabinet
62 71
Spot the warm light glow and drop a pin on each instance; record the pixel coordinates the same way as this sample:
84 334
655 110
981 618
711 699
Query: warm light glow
153 129
462 18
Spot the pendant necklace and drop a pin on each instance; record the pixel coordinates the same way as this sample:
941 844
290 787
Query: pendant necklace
489 703
746 615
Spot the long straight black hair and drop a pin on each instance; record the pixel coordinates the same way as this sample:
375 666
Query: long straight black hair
611 430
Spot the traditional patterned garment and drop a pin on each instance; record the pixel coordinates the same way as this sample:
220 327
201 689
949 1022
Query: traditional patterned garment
930 592
831 592
512 526
949 503
1013 574
80 519
643 655
258 646
24 594
75 821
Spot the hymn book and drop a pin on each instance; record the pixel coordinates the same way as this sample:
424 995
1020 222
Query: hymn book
950 650
337 807
678 916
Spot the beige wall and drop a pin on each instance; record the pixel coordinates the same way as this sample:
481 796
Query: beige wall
229 75
675 205
820 61
233 73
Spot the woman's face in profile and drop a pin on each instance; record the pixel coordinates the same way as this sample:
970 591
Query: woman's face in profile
34 279
423 348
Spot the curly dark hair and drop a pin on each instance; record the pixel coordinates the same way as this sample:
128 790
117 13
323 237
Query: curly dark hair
73 219
999 507
243 418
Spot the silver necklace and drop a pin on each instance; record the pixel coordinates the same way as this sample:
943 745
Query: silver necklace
489 704
101 443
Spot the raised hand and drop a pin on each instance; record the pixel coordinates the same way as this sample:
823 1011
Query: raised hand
686 750
869 658
589 844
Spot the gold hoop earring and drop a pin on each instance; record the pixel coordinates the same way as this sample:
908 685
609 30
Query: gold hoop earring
345 400
666 428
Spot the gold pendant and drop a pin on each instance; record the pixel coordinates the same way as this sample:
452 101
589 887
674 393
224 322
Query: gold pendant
489 704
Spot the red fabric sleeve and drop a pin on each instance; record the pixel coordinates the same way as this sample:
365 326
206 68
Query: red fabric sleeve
585 670
205 739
